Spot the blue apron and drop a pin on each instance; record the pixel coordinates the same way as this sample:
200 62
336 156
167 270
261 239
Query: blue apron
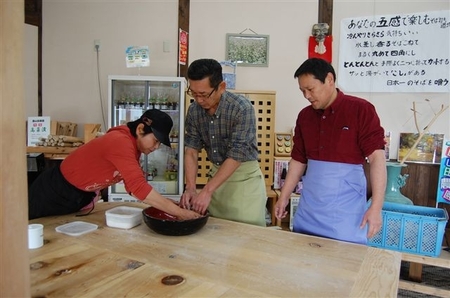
333 202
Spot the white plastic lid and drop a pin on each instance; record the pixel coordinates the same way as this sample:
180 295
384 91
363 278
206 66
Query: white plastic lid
76 228
124 211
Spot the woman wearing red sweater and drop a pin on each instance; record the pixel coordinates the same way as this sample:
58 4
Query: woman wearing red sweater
102 162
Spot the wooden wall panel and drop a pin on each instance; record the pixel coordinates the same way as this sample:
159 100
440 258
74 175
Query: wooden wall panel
421 185
14 265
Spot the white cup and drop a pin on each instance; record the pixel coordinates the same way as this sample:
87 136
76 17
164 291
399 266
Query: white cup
35 235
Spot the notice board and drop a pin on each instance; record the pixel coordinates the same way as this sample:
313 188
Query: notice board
395 53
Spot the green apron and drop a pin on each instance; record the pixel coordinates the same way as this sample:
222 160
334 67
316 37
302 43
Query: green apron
242 197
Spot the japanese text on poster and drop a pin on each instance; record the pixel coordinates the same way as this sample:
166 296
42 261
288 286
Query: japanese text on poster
395 53
38 127
137 56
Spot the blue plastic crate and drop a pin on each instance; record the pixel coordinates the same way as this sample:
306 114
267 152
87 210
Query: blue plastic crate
412 229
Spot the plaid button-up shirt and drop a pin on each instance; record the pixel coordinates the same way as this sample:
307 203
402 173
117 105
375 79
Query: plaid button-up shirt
229 133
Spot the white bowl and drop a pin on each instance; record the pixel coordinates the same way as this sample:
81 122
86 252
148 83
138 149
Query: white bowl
123 217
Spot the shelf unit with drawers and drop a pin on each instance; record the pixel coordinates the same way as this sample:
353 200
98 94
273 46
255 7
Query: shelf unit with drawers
264 104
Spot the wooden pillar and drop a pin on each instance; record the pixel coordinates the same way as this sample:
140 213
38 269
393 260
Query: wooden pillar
326 14
33 16
14 266
183 23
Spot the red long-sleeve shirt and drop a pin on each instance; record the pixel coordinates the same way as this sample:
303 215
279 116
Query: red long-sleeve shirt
347 132
105 161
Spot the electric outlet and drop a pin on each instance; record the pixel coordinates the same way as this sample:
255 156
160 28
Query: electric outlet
97 45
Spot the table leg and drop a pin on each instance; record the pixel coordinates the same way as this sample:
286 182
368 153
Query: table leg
272 198
415 272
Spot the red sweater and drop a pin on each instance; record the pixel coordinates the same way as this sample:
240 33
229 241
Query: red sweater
105 161
347 132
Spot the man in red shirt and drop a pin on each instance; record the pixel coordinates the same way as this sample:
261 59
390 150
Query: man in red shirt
333 137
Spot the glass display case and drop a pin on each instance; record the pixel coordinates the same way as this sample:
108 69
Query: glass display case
128 98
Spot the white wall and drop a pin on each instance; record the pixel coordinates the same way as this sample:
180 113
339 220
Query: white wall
70 87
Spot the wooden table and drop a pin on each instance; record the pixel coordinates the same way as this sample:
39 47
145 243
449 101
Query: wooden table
224 259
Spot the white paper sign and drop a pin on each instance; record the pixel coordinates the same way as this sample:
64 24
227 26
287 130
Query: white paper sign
395 53
137 56
38 127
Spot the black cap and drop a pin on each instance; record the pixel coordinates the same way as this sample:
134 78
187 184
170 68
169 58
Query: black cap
160 123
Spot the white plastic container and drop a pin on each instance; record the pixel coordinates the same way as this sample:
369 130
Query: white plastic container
123 217
76 228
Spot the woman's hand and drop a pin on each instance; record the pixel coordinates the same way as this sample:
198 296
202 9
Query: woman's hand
188 214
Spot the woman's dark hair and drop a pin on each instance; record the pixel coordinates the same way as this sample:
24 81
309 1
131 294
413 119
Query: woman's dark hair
132 125
317 67
206 68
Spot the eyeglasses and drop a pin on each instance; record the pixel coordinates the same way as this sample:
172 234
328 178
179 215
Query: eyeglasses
200 95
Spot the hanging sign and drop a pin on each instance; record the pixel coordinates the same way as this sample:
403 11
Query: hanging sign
443 191
322 49
183 47
137 56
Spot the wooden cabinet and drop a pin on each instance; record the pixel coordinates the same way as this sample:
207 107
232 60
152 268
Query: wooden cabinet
421 185
264 104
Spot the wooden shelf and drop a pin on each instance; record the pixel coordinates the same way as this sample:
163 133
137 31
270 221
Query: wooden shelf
52 152
264 104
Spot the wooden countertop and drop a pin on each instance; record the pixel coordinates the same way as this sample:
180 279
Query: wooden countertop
224 259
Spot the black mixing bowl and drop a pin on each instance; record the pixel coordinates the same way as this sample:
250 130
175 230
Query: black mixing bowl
166 224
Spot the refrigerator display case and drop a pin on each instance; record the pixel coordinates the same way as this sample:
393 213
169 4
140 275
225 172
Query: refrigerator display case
128 98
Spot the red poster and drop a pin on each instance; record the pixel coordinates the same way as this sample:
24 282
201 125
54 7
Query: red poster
183 47
320 50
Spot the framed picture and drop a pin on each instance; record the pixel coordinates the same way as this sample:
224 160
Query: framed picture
428 150
248 49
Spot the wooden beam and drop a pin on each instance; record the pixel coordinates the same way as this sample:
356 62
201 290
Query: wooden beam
183 23
33 16
14 254
326 14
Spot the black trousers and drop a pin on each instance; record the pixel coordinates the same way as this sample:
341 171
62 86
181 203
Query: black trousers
51 194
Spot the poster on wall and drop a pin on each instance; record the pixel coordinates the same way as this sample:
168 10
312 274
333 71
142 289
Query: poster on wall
183 47
37 128
443 191
427 150
137 56
395 53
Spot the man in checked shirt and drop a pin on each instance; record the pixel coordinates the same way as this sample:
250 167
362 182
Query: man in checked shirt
224 124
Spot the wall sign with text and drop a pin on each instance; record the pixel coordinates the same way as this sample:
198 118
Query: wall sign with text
395 53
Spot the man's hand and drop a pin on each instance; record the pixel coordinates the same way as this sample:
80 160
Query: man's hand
280 208
372 217
201 202
186 198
